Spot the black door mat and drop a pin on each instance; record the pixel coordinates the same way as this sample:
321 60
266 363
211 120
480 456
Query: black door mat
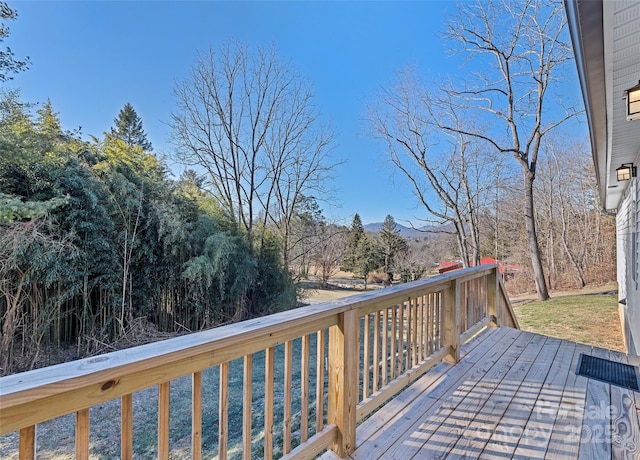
619 374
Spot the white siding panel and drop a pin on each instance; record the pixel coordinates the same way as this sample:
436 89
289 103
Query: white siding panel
628 255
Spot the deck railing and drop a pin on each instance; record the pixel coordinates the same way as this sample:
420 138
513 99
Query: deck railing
307 376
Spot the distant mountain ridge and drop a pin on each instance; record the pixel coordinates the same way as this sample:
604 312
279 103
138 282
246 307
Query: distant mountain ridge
405 232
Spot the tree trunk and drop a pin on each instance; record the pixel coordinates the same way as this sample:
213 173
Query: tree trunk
14 302
577 266
532 237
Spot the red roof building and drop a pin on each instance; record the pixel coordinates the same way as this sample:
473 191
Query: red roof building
448 266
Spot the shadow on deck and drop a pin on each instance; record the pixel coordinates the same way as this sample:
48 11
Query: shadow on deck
513 394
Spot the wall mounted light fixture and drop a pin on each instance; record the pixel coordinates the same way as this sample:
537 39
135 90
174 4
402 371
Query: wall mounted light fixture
626 172
632 98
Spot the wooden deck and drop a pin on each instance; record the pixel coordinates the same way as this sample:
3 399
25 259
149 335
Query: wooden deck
513 394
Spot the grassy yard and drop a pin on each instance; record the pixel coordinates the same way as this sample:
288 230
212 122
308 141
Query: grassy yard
592 319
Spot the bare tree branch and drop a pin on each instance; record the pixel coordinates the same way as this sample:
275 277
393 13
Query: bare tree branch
249 121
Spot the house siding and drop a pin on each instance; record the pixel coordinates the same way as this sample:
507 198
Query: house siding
628 260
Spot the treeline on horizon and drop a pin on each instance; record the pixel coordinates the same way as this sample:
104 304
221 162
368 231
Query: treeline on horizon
96 235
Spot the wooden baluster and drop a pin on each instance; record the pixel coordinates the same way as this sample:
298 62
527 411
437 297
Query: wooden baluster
485 296
320 381
451 320
464 305
401 331
425 326
394 341
365 357
164 397
247 406
385 344
269 365
27 447
407 331
126 427
82 434
428 332
469 304
414 331
420 327
288 384
358 339
426 319
304 388
429 336
223 411
492 294
482 301
473 303
437 321
196 415
376 350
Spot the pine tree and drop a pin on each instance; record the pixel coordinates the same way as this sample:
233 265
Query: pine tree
366 258
356 233
48 121
392 244
128 128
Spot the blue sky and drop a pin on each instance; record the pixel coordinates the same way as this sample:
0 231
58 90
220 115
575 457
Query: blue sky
90 58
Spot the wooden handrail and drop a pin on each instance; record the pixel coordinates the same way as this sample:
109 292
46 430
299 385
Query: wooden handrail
409 328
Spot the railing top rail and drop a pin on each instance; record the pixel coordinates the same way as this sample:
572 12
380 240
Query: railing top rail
249 336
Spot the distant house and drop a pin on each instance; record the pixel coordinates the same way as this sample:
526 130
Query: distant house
606 42
506 269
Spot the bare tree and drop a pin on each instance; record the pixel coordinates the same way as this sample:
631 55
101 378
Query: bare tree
305 231
570 206
249 121
328 251
523 49
415 261
449 174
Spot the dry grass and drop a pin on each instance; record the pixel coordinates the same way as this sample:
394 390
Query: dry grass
589 317
325 295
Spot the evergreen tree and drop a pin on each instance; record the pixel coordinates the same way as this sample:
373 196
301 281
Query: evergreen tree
94 237
128 128
366 258
392 245
17 134
49 130
356 233
48 121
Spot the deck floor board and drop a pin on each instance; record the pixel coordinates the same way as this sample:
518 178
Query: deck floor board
514 394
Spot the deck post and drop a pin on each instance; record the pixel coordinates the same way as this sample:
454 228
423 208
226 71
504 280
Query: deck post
493 294
451 321
27 443
343 381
